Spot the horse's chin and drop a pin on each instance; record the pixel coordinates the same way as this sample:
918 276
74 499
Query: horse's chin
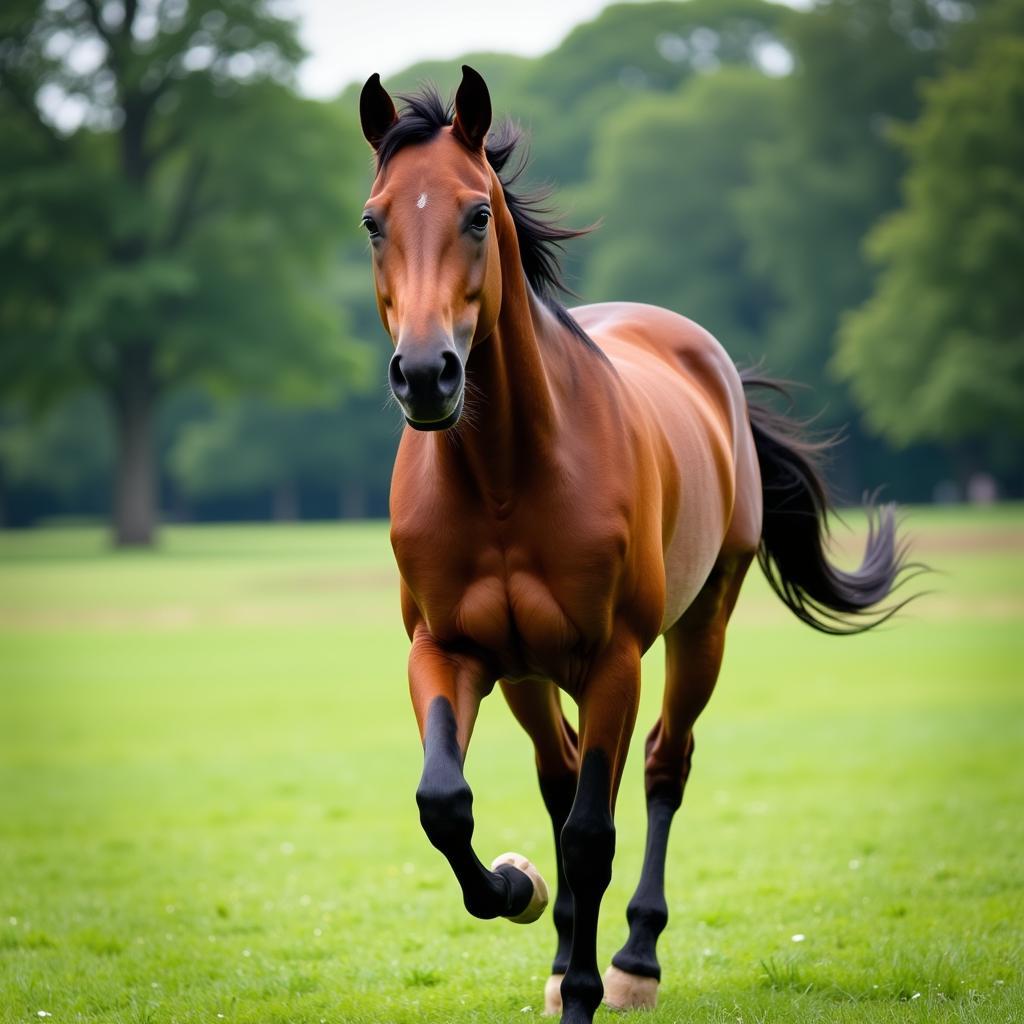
445 423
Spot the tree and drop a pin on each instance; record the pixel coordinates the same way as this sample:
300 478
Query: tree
833 170
666 170
168 207
628 50
60 458
253 447
937 353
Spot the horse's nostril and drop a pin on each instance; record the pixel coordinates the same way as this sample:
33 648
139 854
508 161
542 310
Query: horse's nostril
451 373
399 385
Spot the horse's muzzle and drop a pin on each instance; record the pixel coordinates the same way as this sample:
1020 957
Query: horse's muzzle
429 387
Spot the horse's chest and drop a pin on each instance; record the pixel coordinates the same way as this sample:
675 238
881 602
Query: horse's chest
520 621
531 607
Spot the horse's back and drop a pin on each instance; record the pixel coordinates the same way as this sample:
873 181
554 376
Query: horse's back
684 384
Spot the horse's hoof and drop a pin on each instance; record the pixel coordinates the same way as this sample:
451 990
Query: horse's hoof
553 995
625 991
539 899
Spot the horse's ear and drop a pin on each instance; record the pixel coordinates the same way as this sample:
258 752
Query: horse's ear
472 109
376 110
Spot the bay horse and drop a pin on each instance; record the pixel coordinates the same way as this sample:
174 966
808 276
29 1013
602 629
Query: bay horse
570 486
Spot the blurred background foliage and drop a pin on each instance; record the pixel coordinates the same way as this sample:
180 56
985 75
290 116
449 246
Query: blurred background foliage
187 323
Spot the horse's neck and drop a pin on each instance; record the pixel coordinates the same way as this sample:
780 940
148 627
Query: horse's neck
513 413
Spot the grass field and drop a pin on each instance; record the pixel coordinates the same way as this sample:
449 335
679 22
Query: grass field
207 767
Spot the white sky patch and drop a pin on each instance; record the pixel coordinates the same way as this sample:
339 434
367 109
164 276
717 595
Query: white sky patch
422 201
349 41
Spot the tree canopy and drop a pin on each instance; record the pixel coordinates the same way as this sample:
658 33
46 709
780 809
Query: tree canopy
184 291
666 171
937 353
169 210
832 170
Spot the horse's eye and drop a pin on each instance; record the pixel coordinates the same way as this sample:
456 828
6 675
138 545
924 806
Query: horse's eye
372 229
480 219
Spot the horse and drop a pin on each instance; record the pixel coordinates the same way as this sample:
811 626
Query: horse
569 486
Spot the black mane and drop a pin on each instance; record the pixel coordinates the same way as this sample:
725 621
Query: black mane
423 115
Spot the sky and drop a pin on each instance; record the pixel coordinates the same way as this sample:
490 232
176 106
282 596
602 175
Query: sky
350 39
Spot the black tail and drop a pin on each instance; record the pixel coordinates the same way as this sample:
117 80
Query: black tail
795 531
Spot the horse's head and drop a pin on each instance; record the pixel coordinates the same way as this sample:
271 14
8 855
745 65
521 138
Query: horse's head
435 251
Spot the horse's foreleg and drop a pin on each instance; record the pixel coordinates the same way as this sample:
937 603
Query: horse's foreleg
608 703
446 691
537 707
693 656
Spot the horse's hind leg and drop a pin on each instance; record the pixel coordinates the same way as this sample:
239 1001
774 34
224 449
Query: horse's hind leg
693 656
538 710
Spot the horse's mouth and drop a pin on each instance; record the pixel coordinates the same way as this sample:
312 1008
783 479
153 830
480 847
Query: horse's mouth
445 423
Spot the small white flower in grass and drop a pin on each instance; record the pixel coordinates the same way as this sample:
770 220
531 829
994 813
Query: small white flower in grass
916 995
246 952
221 1016
43 1013
799 937
999 981
526 1009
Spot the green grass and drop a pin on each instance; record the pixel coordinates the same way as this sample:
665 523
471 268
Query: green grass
207 767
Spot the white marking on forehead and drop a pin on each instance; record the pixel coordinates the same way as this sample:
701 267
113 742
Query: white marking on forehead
422 201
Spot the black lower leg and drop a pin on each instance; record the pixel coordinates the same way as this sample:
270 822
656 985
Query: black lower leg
588 847
647 912
558 794
446 813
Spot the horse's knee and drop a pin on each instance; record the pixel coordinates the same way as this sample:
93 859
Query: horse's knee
444 797
588 846
588 837
446 811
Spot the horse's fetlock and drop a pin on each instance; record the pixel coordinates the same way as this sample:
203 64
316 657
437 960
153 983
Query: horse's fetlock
649 916
581 995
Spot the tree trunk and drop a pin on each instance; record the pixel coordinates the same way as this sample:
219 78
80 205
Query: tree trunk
352 501
285 502
135 499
